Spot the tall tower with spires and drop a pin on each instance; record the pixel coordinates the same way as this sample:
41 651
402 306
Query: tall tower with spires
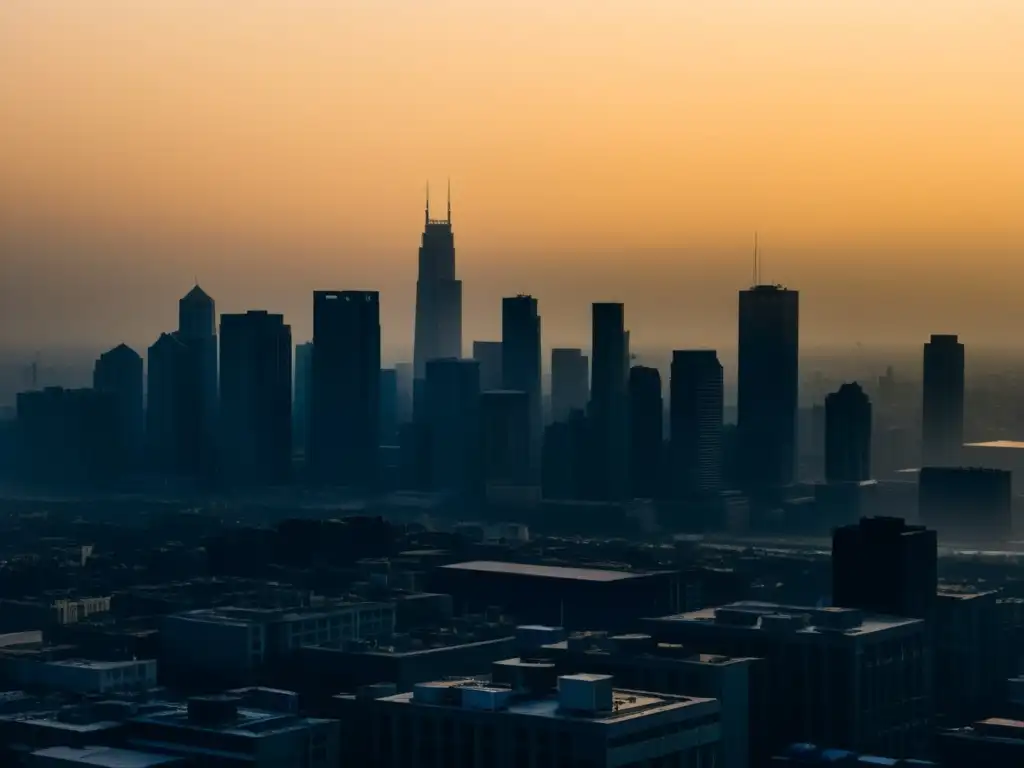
438 332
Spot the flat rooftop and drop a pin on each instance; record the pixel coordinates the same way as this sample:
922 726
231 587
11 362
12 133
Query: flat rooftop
997 444
544 571
248 723
249 616
99 665
107 757
817 619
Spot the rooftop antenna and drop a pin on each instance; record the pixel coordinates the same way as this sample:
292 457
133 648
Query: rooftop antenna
757 263
426 212
449 200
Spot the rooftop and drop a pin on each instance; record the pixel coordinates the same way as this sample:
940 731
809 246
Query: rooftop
99 665
107 757
246 723
249 616
996 444
543 571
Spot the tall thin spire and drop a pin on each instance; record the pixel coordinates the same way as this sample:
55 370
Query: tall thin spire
449 200
426 211
757 266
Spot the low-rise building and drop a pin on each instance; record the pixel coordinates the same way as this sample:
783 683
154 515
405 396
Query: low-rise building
100 757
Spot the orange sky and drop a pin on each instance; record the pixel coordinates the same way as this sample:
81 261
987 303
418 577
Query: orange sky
276 146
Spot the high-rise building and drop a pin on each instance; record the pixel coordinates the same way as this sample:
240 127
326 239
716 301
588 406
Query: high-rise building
174 408
521 363
197 330
303 396
609 402
646 432
404 374
882 565
438 332
488 354
942 412
452 398
505 416
570 382
256 398
848 435
344 426
696 406
769 348
119 372
966 503
388 406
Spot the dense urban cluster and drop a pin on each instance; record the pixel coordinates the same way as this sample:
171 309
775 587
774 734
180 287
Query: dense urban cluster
242 552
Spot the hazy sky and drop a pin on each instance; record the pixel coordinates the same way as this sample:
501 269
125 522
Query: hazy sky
598 150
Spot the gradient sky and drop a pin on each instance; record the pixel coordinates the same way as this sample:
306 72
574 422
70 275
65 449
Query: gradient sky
599 150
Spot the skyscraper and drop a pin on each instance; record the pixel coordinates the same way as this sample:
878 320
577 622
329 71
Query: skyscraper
488 354
506 437
197 330
570 382
388 406
848 435
174 408
882 565
346 388
696 404
256 398
119 373
609 406
769 348
452 397
942 412
646 428
303 394
521 361
438 332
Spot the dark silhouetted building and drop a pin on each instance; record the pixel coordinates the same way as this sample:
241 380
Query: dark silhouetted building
388 406
768 383
609 403
646 428
570 382
521 362
197 330
882 565
256 398
696 404
966 503
438 295
66 438
452 398
119 372
174 408
847 435
489 355
506 438
344 424
942 406
303 396
567 458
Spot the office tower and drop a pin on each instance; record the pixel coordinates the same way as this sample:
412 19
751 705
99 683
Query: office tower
438 332
197 329
488 354
882 565
256 398
646 428
388 406
505 415
521 363
303 394
65 438
570 382
847 435
452 398
769 333
567 458
609 406
966 503
344 420
119 372
175 420
816 450
404 374
696 404
942 411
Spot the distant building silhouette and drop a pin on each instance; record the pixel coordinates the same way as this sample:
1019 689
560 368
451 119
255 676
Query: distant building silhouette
609 405
489 355
343 446
452 398
506 438
404 374
570 382
942 411
521 363
848 435
882 565
567 458
197 330
966 503
303 396
696 407
119 372
174 408
646 426
388 406
438 332
768 382
256 398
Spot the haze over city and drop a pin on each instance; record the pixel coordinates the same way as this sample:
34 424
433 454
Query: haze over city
623 151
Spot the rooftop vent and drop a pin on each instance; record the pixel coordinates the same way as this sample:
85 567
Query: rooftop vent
585 693
784 622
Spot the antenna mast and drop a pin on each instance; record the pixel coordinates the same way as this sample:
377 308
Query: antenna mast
449 200
426 211
757 263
